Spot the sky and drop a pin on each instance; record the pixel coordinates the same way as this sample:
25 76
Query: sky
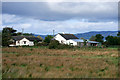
68 17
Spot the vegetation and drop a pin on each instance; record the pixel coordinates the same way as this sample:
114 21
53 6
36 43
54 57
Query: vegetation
93 38
110 40
54 44
6 35
97 37
48 39
40 38
39 62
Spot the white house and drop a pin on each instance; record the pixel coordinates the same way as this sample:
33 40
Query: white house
69 39
24 40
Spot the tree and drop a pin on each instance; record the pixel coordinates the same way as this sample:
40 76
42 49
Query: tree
48 39
99 38
110 40
0 38
85 41
27 34
92 38
54 44
7 32
40 37
118 33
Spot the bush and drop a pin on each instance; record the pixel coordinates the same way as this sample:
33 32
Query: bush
56 45
53 44
42 44
64 46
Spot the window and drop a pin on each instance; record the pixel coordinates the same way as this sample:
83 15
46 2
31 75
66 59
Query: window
71 43
24 42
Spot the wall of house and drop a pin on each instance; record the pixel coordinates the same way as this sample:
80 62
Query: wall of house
24 42
59 38
71 42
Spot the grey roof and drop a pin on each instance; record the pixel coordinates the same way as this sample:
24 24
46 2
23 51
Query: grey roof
69 36
92 42
31 38
77 40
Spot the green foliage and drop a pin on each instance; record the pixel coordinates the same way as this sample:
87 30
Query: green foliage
40 37
64 46
48 39
27 34
92 38
6 35
42 44
46 68
0 38
118 33
110 40
99 38
56 45
53 44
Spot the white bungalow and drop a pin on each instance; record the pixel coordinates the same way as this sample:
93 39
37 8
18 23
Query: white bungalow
24 40
69 39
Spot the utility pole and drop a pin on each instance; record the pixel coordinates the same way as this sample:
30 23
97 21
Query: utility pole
53 34
22 30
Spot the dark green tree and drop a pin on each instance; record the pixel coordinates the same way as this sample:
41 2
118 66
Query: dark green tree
99 38
118 33
48 39
7 32
92 38
110 40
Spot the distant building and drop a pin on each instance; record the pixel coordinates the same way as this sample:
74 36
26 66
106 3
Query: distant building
24 40
93 43
71 39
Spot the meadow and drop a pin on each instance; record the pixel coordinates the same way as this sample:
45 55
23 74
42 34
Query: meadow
41 62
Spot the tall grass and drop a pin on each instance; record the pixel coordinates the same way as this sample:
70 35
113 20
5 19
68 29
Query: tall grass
38 62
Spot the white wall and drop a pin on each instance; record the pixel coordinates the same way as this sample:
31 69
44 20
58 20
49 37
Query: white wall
71 42
59 38
21 42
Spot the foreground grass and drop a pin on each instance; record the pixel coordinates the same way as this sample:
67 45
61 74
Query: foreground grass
37 62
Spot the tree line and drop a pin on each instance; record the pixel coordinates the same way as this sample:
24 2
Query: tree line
8 32
109 40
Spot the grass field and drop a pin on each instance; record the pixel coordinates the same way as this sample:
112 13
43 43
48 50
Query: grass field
37 62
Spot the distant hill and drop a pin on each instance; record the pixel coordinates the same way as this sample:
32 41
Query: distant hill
93 33
87 35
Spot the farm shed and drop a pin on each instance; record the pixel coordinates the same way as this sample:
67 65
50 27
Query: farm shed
93 43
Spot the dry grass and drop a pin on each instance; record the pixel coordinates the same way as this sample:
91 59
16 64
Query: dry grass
46 63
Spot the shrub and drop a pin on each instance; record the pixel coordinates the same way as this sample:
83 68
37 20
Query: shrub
56 45
42 44
64 46
53 44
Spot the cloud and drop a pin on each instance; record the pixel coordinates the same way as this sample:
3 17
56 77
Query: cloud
45 27
58 11
61 1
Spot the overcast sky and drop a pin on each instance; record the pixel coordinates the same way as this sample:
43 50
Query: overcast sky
68 17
